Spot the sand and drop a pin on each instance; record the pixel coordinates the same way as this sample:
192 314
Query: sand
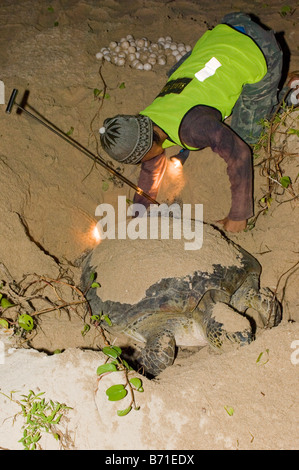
49 194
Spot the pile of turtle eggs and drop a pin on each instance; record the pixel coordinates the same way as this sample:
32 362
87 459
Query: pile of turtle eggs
142 54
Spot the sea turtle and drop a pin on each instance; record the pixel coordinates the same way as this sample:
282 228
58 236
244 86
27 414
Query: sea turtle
164 296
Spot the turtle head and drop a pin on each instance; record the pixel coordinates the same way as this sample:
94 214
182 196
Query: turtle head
264 302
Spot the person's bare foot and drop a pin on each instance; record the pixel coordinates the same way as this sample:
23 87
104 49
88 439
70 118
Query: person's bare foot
233 226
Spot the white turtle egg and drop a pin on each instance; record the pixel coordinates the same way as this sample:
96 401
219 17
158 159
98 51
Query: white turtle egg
168 38
121 61
107 57
99 55
168 52
154 47
125 44
152 60
131 49
139 42
137 54
147 66
175 52
161 60
130 37
171 59
131 57
162 56
112 45
181 49
122 54
143 57
117 49
135 63
188 48
161 39
139 66
114 59
167 45
173 46
178 57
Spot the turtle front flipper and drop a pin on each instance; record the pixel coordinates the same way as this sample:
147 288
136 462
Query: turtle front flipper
223 326
158 353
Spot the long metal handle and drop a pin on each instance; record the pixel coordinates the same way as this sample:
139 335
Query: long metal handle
11 100
78 146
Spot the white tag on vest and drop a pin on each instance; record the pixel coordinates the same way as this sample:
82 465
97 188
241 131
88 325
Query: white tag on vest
208 70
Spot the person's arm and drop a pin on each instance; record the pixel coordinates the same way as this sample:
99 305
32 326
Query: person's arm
202 127
150 179
237 155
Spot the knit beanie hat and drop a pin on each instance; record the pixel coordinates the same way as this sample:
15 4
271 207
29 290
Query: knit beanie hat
127 138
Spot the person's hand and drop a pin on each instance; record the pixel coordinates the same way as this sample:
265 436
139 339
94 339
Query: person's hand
233 225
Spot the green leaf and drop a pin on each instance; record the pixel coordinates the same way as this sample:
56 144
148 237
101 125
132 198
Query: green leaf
106 368
94 285
85 330
229 410
137 383
36 437
5 303
105 186
259 357
116 392
124 412
293 131
112 351
127 366
107 320
97 92
285 181
3 323
122 85
285 10
70 131
26 321
92 276
95 317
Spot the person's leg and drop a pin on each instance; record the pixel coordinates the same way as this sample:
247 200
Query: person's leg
259 100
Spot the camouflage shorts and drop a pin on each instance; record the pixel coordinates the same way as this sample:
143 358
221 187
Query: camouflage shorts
258 100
